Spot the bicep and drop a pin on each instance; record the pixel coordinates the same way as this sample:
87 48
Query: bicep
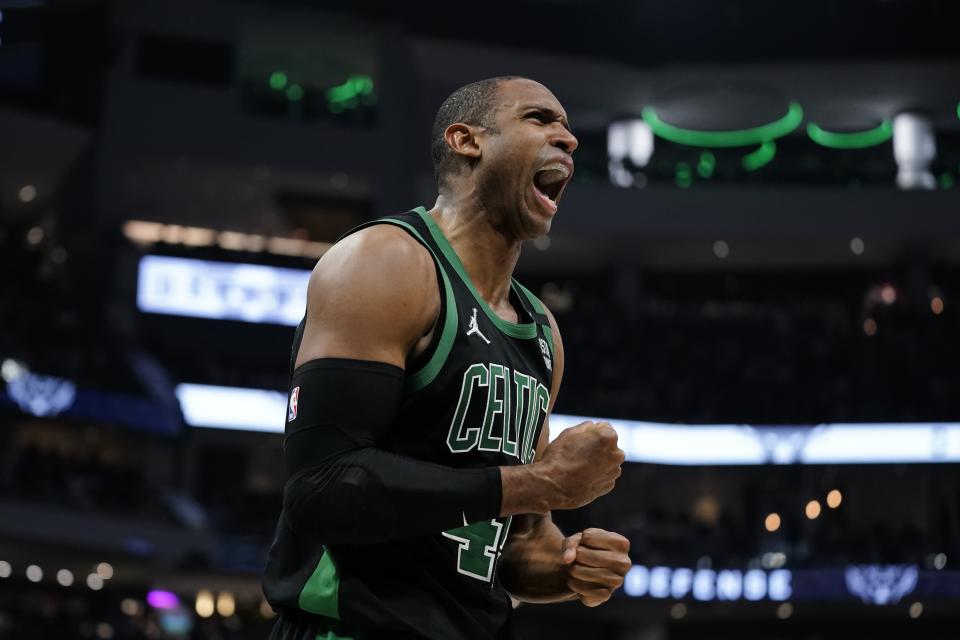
371 297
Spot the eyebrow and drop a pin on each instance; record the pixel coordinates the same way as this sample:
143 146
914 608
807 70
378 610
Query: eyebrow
550 112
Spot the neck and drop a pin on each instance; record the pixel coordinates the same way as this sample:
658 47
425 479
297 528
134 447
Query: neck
487 252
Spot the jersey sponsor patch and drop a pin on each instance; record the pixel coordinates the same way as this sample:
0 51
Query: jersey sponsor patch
294 399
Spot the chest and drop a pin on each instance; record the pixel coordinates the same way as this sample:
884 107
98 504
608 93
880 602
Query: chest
487 403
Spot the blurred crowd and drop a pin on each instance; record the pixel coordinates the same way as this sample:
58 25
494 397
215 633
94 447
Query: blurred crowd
793 348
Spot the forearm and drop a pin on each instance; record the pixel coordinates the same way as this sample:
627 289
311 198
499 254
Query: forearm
369 496
344 488
532 568
525 490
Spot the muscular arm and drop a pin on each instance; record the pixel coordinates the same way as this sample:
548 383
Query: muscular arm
371 300
541 565
532 568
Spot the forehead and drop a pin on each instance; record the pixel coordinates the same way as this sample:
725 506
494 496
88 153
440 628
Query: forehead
520 92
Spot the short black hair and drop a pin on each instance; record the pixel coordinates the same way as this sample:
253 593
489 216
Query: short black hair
472 104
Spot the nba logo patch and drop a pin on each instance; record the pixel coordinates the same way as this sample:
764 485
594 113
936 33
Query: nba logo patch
294 398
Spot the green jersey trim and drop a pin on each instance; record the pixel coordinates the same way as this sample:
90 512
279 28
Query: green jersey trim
448 334
330 635
429 371
321 593
540 308
512 329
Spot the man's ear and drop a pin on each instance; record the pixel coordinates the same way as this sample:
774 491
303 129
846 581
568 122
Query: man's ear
462 139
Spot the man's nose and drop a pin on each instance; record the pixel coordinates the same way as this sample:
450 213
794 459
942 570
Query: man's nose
565 140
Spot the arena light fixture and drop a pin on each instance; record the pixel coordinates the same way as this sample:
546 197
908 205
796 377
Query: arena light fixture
706 164
278 80
936 305
354 87
294 93
650 442
834 498
204 605
850 139
732 138
772 522
226 604
881 584
355 90
253 293
144 233
761 157
683 177
27 193
838 443
237 408
631 139
39 395
105 570
130 607
873 585
707 585
914 149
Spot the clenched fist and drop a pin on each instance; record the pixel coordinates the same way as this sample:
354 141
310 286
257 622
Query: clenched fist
597 563
581 465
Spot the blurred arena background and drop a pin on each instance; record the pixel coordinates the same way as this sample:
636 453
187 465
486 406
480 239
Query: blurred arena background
757 273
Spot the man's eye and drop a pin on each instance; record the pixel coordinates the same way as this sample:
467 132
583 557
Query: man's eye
537 115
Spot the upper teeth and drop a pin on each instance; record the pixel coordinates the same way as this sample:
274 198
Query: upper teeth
554 172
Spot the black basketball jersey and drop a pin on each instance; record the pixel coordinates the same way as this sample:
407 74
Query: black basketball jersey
477 397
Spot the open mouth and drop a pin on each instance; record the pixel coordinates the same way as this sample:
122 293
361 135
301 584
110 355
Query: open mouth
548 182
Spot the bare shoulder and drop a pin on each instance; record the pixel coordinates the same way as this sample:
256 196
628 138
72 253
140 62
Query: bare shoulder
374 255
370 297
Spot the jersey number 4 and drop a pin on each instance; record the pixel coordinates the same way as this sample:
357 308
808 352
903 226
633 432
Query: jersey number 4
479 543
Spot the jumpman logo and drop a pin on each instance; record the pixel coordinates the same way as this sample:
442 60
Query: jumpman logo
475 328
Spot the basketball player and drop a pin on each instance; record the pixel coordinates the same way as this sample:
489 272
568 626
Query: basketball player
420 476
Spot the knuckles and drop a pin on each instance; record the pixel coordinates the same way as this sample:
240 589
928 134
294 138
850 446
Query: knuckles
593 534
606 433
598 598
